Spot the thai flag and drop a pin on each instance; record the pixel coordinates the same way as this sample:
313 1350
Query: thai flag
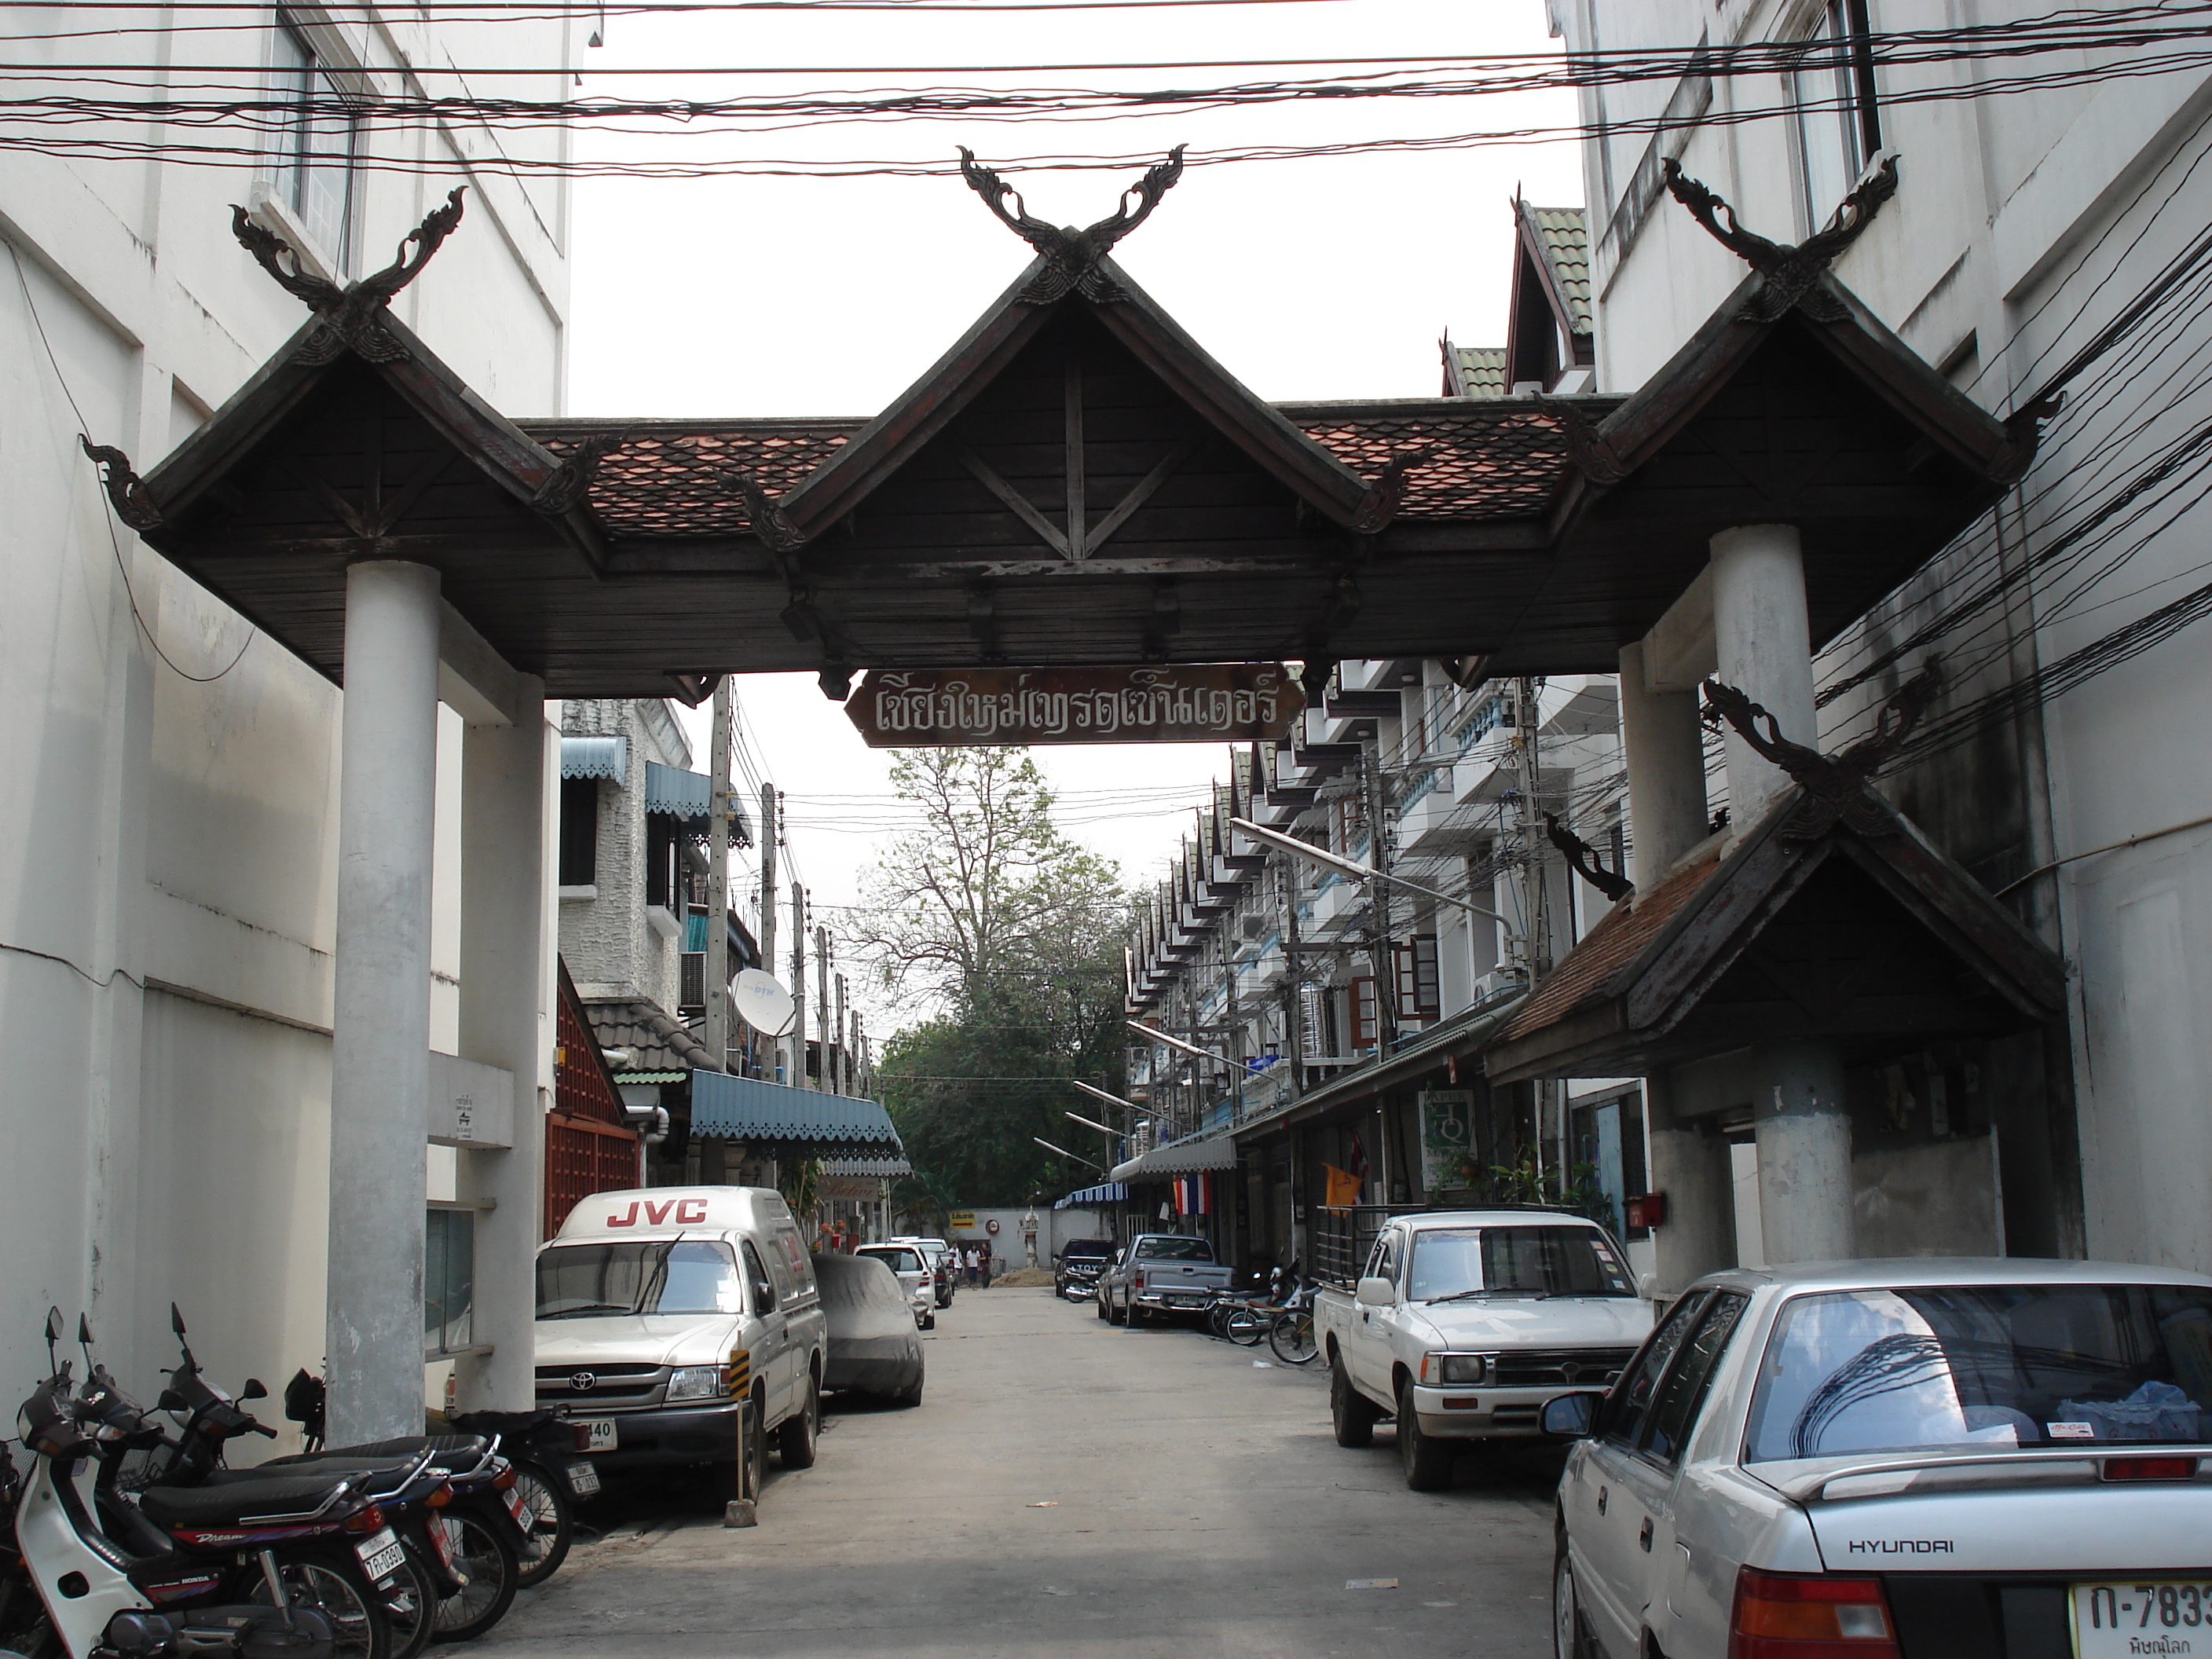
1357 1164
1193 1194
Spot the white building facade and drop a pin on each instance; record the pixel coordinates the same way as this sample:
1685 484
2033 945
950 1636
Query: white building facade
2047 236
168 922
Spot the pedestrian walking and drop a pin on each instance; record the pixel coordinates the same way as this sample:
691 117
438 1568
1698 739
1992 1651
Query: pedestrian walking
968 1260
986 1264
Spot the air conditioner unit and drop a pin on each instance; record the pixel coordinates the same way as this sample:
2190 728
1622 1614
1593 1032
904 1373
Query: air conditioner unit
1498 982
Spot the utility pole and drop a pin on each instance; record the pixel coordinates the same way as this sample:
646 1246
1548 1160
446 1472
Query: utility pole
822 1008
719 806
1294 1011
845 1079
768 839
798 986
1384 955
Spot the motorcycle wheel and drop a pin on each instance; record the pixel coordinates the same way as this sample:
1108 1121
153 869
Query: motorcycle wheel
487 1555
331 1582
1244 1325
410 1606
547 1517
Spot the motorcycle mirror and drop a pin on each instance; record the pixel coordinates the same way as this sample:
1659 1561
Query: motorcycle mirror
53 1324
254 1390
84 1334
176 1320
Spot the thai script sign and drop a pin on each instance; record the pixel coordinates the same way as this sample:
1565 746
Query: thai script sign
939 708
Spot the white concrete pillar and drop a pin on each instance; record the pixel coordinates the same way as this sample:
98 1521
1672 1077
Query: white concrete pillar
381 1025
1804 1154
507 1020
1665 750
1690 1165
1762 644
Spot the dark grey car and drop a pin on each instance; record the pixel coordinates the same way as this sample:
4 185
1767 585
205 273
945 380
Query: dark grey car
874 1348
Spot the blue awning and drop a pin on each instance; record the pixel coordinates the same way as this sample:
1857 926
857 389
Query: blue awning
1112 1191
725 1108
676 793
596 757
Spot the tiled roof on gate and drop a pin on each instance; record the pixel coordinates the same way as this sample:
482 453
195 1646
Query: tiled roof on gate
1617 940
1565 235
663 479
1488 459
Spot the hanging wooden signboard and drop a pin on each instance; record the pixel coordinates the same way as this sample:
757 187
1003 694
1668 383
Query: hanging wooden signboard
978 707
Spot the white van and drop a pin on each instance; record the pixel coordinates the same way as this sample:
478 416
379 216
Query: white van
660 1309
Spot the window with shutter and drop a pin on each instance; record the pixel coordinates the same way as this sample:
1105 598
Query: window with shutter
1361 994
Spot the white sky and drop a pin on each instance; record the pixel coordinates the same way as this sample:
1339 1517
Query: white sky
1308 279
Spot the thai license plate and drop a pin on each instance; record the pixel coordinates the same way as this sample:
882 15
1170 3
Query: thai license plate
599 1432
583 1480
380 1554
2143 1619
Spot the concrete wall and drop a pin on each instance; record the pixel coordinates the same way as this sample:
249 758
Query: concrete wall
167 840
2022 225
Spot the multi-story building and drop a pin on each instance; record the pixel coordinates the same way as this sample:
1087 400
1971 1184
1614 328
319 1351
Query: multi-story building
170 834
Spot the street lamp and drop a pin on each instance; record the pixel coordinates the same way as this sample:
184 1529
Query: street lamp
1100 1094
1092 1123
1352 867
1064 1152
1171 1042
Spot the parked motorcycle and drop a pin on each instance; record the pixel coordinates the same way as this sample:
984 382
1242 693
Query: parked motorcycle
284 1567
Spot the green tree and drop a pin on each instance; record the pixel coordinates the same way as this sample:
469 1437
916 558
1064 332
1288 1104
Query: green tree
1006 940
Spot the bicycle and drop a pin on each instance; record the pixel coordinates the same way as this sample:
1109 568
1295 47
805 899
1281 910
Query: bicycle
1291 1333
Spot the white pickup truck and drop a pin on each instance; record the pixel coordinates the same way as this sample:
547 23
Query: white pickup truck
1464 1323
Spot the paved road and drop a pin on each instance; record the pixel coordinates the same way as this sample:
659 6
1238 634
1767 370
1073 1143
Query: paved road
1072 1487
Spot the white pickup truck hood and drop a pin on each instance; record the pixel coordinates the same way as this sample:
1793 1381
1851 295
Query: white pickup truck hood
638 1339
1557 1321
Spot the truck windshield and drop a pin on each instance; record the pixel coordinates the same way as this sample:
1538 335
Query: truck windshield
577 1281
1452 1262
1176 1250
1981 1365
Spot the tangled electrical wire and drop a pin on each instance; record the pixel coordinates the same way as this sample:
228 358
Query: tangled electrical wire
235 102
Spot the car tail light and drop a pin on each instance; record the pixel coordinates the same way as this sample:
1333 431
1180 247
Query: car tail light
2150 1468
366 1519
1786 1616
1140 1281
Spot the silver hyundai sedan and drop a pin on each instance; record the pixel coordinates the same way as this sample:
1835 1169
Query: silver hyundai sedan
1899 1459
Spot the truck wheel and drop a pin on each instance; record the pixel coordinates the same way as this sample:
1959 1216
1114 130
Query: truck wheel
1351 1413
1100 1301
1135 1318
1428 1463
795 1440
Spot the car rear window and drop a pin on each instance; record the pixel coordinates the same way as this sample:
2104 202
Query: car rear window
1176 1250
899 1262
1983 1365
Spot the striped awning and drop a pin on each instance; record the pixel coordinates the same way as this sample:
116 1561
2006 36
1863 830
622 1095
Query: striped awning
596 757
1112 1191
676 793
753 1109
1184 1157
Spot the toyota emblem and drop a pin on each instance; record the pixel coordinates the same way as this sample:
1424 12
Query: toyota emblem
1571 1372
583 1382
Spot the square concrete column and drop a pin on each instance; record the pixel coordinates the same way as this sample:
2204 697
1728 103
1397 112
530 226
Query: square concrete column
1804 1154
1690 1165
1762 644
507 1016
381 1025
1665 750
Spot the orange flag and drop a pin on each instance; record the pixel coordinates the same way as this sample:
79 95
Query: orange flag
1343 1188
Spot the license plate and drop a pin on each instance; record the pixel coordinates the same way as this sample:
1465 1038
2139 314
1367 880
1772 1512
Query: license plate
583 1480
381 1555
599 1433
2143 1619
518 1509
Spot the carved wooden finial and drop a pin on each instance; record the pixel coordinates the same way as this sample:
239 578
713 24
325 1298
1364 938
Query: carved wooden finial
1584 860
351 318
1792 273
1072 256
125 492
1836 786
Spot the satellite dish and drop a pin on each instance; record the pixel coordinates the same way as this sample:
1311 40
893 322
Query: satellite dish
762 1003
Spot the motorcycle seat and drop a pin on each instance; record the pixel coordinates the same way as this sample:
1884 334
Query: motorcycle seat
449 1451
375 1475
235 1502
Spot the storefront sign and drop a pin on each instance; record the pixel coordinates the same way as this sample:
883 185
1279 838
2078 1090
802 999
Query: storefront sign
1447 1138
938 709
962 1221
